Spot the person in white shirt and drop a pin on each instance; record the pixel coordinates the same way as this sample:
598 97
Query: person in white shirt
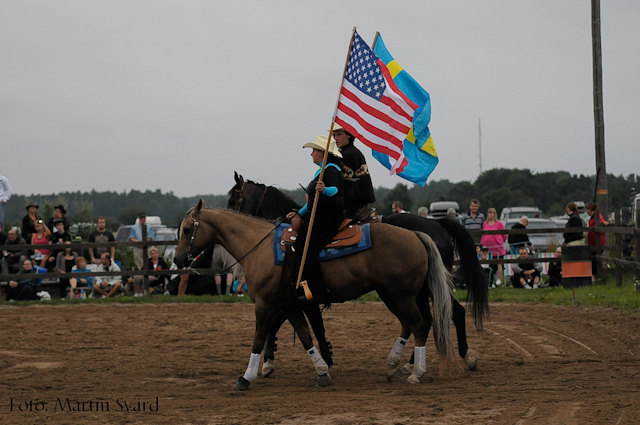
5 194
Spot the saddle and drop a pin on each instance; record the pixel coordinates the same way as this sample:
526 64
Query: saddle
348 234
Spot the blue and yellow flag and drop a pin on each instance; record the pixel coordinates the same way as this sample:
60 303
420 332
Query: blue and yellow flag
418 146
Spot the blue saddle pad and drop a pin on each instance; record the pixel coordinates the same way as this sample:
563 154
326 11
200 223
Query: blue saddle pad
327 253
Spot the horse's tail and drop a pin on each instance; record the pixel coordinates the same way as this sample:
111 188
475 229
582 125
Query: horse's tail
472 272
438 283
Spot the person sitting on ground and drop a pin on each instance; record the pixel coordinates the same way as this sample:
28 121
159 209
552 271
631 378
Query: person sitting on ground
101 235
240 286
80 282
12 260
155 262
59 214
423 212
574 221
555 269
41 237
65 260
358 188
106 286
517 241
29 221
526 275
23 289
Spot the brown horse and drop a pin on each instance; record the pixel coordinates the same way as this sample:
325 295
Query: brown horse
404 267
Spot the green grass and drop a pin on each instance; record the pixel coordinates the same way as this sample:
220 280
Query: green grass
604 294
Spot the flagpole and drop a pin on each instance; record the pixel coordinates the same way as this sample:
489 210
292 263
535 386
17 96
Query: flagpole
375 40
324 161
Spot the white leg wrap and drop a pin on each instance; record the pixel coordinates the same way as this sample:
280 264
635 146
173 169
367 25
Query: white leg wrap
318 361
420 365
396 352
252 370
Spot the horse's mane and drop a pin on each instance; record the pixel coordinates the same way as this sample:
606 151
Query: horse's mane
275 202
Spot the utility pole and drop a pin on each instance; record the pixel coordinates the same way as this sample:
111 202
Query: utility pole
480 145
602 193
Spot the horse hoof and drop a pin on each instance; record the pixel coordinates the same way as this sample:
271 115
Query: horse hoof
413 379
407 369
267 369
392 372
242 384
324 380
471 362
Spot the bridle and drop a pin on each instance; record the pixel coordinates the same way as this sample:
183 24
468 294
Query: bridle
241 198
196 224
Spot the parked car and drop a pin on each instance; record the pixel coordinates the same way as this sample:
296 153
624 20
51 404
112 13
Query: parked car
517 212
542 242
123 232
162 233
439 209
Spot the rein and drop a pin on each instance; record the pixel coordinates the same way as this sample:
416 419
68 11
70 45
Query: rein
196 223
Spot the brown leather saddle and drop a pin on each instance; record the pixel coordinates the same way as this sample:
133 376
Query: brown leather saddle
349 234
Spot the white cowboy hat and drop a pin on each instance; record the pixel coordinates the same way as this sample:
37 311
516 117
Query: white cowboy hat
321 143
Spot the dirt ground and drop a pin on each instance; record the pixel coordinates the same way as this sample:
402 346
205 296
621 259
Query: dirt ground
538 364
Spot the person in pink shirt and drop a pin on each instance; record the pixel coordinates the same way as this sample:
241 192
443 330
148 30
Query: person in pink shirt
495 243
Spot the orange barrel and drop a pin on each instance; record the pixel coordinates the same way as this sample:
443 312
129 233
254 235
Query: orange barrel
576 266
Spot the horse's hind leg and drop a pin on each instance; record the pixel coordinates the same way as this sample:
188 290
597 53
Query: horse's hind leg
395 355
296 318
271 347
412 314
461 332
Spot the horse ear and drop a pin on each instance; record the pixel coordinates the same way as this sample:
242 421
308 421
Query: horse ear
199 206
239 179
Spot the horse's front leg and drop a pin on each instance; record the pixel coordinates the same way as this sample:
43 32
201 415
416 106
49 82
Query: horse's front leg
271 346
296 318
264 319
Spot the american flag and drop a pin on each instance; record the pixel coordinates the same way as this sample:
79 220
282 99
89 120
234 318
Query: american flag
372 108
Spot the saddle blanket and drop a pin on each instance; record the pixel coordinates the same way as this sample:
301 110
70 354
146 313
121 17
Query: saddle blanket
327 253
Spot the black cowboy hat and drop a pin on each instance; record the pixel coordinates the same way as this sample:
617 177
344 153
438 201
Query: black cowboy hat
61 208
32 204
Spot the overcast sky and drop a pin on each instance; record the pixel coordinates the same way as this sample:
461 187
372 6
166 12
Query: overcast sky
176 95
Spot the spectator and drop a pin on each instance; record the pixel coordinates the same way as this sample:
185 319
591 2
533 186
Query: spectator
59 213
574 221
3 235
23 289
136 236
29 221
495 243
491 274
516 241
473 219
591 236
240 285
13 260
526 275
423 211
221 259
5 194
80 282
155 262
555 269
41 237
106 286
59 236
358 189
101 235
396 208
451 213
65 260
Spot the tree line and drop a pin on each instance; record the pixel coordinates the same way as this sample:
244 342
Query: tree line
497 188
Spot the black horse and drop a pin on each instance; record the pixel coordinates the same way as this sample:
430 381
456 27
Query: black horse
449 236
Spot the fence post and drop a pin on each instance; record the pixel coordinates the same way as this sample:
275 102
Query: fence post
618 250
637 251
145 258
